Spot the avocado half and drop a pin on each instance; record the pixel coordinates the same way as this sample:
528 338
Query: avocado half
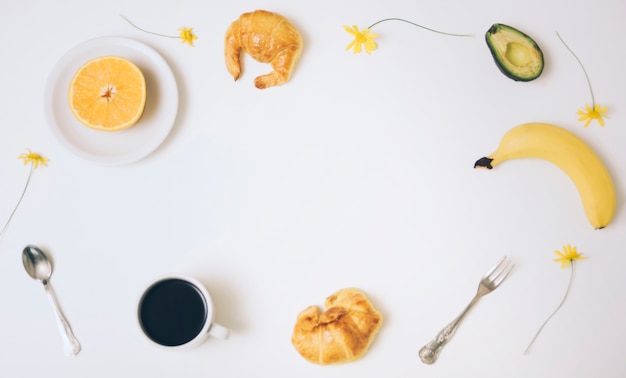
516 54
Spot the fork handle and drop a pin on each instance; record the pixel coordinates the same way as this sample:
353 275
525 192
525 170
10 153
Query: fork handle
430 352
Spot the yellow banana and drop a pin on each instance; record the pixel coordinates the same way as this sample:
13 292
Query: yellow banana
568 152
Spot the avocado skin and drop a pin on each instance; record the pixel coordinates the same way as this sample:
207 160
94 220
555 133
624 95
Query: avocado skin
497 27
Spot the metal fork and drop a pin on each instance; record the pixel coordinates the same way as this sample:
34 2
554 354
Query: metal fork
490 281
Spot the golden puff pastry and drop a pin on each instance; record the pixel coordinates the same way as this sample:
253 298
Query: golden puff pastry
343 333
268 38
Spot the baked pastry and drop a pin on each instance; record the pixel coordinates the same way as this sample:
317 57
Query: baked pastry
268 38
343 333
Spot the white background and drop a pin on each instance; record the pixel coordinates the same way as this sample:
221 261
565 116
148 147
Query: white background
356 173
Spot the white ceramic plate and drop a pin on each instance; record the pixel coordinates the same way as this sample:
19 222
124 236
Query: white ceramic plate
120 147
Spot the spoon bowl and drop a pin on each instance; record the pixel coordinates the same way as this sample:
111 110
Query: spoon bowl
39 266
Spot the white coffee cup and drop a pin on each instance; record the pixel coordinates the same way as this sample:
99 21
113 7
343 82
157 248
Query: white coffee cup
176 311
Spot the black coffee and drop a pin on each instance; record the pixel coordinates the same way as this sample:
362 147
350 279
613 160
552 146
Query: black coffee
172 312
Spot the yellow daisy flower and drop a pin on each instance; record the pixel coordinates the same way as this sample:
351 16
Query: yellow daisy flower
566 258
568 255
361 38
365 38
33 158
187 36
588 114
594 111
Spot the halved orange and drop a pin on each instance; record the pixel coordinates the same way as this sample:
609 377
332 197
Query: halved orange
108 93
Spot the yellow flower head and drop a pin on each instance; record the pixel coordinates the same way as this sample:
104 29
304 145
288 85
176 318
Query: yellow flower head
568 255
187 36
361 38
34 159
589 114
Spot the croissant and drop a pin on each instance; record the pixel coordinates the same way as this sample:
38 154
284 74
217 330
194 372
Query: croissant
343 333
268 38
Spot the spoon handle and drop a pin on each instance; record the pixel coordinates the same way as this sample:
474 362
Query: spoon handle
71 346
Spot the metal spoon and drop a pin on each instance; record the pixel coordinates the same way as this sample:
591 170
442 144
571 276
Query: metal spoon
39 267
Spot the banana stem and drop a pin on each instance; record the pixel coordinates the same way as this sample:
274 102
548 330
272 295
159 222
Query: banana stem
484 162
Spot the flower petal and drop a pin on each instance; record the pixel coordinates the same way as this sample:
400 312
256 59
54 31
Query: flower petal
349 29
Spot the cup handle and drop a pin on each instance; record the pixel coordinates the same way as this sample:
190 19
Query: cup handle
219 331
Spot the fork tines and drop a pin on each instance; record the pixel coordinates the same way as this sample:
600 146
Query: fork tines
500 271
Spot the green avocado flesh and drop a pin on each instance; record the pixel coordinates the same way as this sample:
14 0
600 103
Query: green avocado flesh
516 54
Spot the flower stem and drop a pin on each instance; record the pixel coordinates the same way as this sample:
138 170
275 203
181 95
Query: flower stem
569 285
593 99
146 31
419 26
6 225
